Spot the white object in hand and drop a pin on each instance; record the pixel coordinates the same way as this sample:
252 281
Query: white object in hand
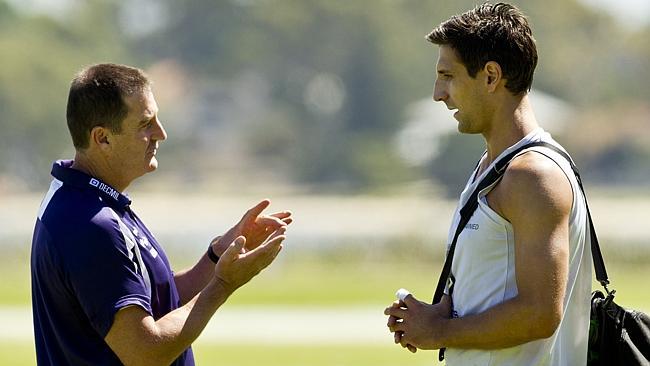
402 293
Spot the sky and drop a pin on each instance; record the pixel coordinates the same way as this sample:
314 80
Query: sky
631 13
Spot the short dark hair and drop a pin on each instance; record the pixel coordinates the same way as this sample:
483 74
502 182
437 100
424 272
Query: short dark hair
96 98
499 33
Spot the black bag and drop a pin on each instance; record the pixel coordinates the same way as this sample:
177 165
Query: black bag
617 336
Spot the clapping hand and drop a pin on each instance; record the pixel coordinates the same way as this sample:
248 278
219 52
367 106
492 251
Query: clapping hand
254 227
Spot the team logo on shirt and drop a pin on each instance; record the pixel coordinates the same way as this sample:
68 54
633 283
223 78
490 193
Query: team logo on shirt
472 226
104 188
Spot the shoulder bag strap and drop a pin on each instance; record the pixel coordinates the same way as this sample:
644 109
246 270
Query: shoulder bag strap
472 203
596 254
466 213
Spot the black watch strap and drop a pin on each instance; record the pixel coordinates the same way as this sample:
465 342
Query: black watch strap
212 255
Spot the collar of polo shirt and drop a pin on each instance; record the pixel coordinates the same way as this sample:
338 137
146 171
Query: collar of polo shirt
62 171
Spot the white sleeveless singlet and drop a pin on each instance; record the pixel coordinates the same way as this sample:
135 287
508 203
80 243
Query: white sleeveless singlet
484 272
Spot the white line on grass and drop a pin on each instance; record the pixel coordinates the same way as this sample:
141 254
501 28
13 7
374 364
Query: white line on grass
268 325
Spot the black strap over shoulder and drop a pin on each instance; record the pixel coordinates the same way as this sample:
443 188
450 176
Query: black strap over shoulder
597 256
470 206
466 213
493 176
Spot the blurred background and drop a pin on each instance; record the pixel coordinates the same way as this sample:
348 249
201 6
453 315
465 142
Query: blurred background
324 107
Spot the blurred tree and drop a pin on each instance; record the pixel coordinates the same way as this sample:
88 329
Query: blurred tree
464 151
310 89
39 57
325 61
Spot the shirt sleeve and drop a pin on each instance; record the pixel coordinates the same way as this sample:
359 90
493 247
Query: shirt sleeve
103 274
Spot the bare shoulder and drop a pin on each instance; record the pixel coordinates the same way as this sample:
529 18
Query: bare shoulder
534 185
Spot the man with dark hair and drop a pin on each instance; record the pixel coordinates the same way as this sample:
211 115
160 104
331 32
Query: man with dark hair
103 292
95 99
521 273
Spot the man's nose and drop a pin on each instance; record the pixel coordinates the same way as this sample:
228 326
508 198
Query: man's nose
159 132
439 94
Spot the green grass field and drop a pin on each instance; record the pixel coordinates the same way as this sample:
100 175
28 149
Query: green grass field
308 282
312 282
22 354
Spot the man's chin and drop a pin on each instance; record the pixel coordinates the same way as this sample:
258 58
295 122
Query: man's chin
464 128
460 125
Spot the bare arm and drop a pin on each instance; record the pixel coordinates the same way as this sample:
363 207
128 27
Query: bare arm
138 339
536 198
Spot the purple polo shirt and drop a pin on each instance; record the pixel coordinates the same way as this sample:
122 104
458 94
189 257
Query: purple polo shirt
91 256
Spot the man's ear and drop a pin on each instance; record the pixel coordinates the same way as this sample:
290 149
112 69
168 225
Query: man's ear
101 137
493 75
